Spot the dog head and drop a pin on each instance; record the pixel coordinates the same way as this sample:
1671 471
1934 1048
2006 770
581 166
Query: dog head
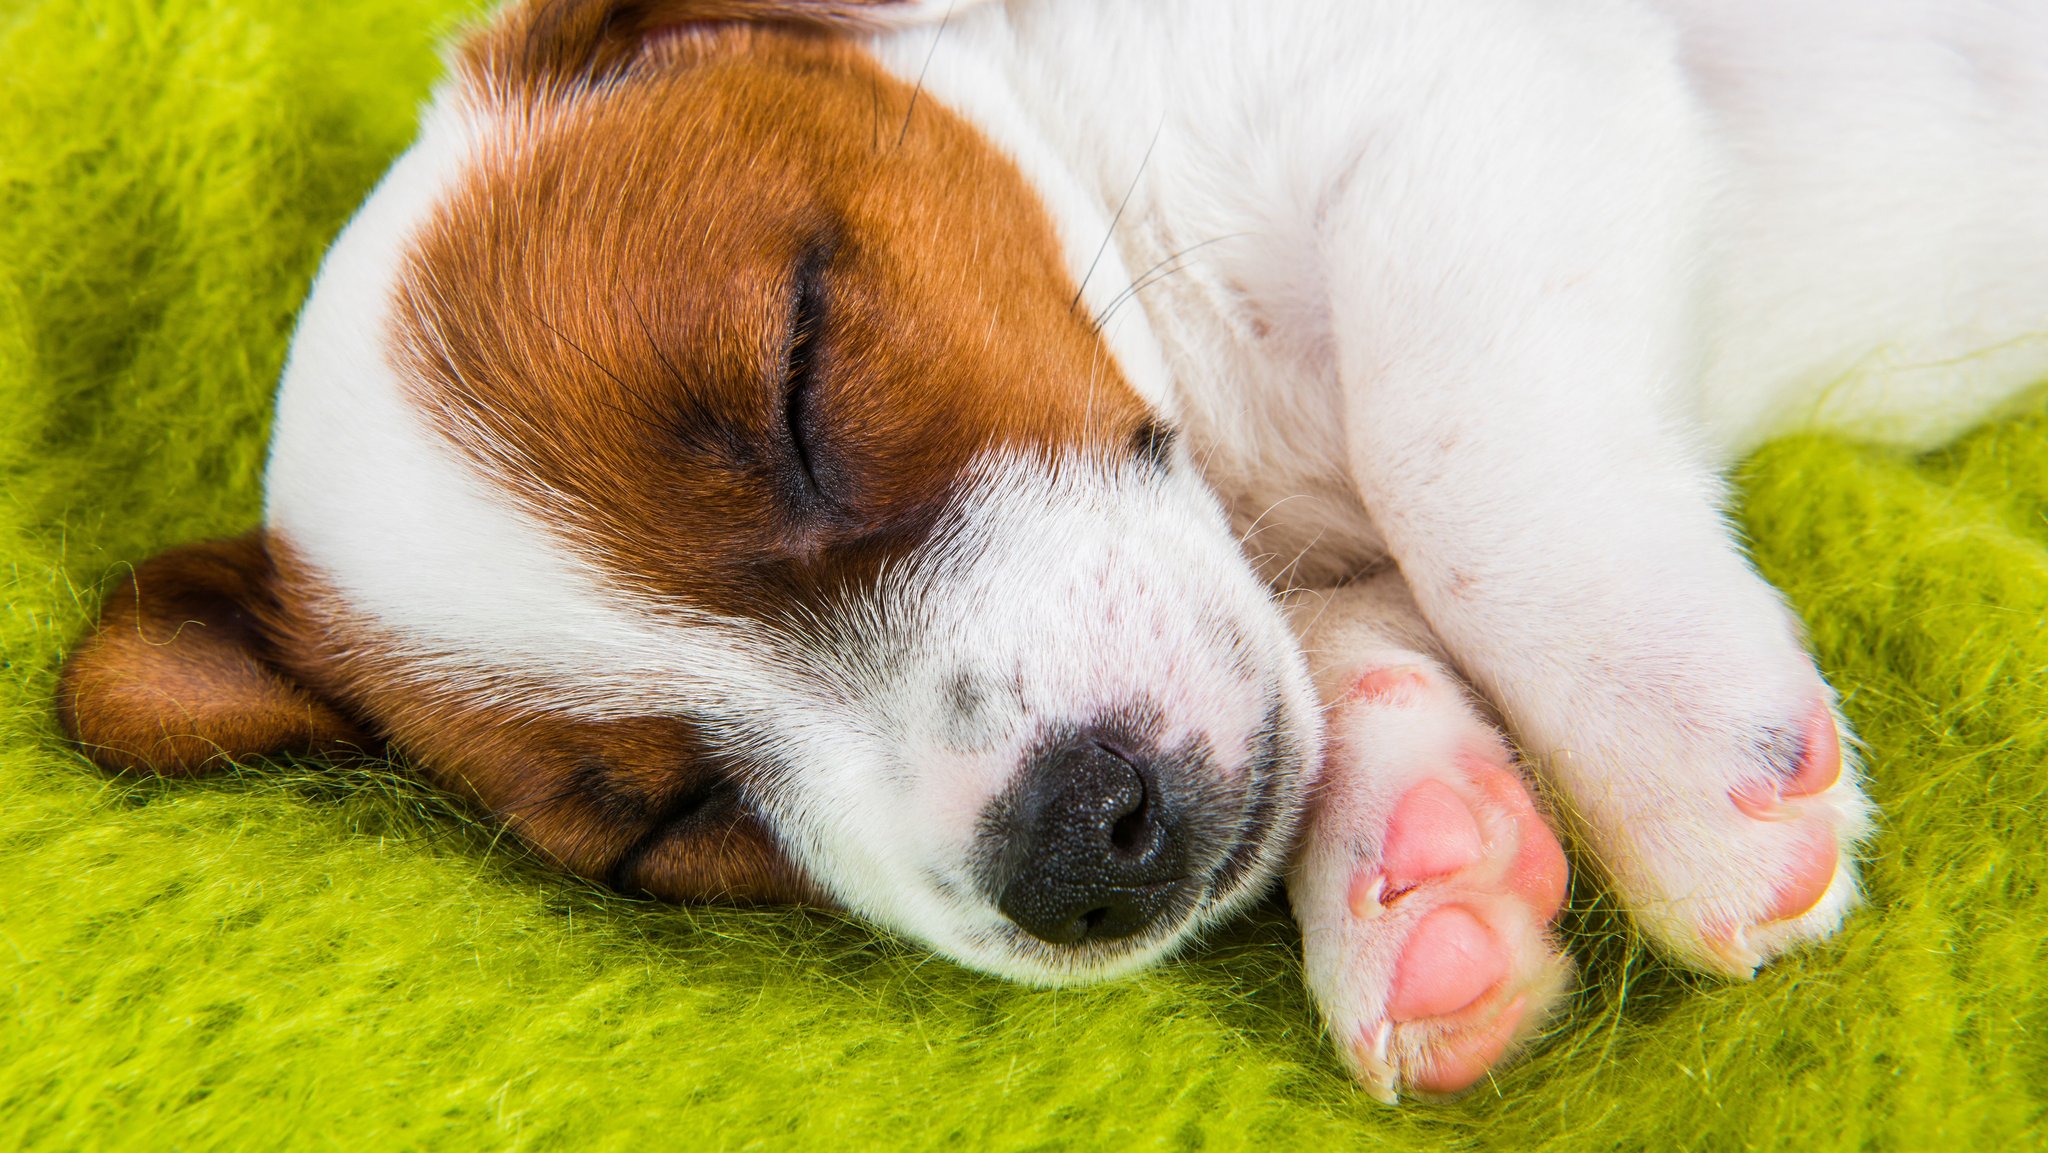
694 452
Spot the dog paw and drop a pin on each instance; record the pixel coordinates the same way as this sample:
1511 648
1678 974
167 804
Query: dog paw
1425 889
1755 861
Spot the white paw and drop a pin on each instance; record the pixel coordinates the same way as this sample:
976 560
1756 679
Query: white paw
1731 844
1425 888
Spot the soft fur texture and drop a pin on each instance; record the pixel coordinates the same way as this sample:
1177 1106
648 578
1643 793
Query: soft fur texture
314 955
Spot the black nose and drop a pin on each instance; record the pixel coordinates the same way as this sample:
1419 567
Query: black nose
1093 849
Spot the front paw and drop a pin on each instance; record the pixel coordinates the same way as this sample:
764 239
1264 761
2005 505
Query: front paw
1425 889
1740 847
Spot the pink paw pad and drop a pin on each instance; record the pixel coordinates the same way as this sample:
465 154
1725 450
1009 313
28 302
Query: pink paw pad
1452 959
1538 873
1432 834
1483 872
1464 1059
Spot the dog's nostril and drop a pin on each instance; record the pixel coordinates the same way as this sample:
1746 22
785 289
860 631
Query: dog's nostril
1092 848
1129 834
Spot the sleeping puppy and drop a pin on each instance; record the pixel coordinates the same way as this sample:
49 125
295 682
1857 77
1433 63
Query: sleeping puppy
848 452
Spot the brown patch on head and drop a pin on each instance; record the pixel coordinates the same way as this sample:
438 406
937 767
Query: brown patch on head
540 49
738 320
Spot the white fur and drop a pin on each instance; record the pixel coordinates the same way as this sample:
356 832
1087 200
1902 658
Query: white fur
1880 234
1840 186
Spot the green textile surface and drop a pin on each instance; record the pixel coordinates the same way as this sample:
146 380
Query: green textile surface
327 956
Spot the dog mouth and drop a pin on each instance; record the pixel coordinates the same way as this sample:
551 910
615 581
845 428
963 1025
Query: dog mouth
1272 795
1254 835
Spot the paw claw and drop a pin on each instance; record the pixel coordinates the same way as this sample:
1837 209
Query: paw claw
1364 896
1375 1066
1820 761
1812 873
1820 766
1731 947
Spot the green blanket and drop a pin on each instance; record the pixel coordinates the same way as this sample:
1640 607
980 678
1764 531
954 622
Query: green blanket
315 955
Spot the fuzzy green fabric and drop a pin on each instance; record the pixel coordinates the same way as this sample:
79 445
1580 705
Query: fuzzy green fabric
329 956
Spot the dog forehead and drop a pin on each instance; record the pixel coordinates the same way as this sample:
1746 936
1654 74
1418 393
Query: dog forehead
598 317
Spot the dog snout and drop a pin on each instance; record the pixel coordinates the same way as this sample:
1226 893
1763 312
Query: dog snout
1093 849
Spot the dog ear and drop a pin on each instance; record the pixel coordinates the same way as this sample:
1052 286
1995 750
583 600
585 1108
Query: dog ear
178 677
552 45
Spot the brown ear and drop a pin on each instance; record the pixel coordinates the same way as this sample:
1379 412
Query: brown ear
548 45
177 676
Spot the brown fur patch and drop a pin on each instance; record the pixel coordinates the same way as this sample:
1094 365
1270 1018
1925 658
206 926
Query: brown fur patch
543 48
229 650
604 316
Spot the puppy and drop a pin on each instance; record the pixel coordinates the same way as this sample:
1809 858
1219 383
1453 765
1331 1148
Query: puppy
848 451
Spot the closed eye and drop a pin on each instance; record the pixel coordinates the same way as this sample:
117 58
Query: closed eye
801 358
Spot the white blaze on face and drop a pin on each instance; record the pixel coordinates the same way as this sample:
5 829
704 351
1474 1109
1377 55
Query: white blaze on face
1056 597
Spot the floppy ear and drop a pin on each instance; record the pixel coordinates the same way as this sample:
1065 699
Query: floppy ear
177 676
555 43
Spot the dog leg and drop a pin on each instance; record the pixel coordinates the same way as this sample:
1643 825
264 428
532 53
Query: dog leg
1659 683
1426 881
1514 333
1565 546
